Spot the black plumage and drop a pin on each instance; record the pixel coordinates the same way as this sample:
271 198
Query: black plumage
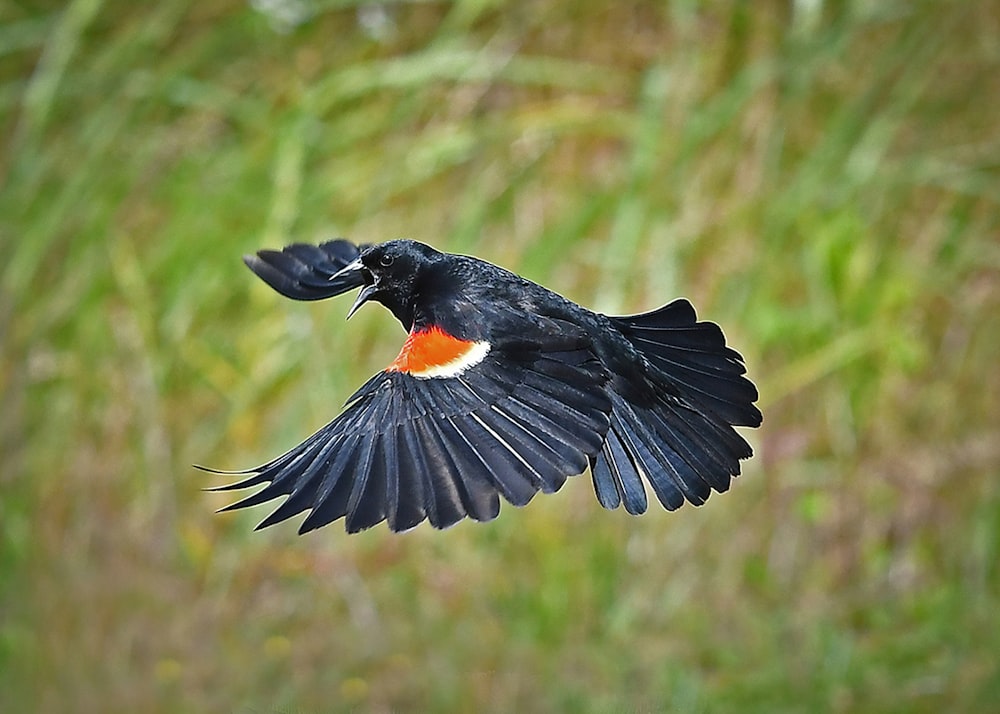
503 388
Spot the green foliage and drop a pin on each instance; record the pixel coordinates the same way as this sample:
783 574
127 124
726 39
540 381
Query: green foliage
820 178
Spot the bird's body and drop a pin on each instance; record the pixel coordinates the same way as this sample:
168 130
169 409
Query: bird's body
504 387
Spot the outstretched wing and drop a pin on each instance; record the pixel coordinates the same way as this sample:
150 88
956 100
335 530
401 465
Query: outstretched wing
303 272
441 434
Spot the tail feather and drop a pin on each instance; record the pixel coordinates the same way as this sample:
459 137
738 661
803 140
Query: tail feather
694 357
682 442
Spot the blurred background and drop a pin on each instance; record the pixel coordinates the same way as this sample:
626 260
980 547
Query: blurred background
820 177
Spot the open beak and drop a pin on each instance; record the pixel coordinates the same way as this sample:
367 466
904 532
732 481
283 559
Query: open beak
355 274
364 296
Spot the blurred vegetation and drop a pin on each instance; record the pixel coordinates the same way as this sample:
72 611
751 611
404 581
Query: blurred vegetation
821 177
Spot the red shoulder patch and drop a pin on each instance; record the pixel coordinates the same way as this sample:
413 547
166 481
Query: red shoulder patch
435 353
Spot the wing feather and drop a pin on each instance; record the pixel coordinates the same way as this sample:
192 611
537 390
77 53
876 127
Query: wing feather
649 460
406 507
536 410
433 465
407 448
465 476
304 272
615 465
330 498
300 499
608 494
366 504
496 459
547 462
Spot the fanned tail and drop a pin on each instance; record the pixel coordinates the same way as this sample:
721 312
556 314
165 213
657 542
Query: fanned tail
682 441
694 357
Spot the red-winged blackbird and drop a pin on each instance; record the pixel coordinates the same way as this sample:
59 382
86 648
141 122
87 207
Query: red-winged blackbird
503 387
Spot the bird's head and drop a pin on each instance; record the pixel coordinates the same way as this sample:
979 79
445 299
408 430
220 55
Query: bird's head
391 272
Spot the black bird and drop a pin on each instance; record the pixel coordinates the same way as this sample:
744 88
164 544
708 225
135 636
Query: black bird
503 387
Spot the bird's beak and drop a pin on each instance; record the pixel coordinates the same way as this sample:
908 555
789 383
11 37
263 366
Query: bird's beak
350 271
364 296
355 274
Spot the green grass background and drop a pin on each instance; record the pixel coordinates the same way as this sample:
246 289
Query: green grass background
822 178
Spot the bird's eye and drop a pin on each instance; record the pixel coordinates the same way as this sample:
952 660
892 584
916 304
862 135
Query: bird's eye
386 260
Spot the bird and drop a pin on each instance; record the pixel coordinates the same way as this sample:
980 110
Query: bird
502 388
